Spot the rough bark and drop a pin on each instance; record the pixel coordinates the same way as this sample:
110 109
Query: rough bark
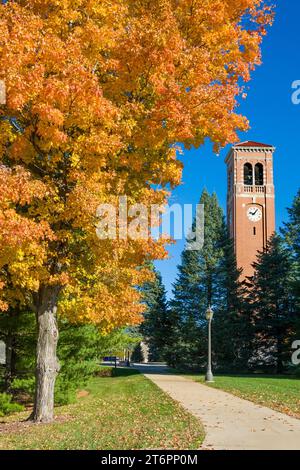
47 366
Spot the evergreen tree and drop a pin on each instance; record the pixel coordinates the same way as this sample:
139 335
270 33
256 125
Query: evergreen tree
187 313
233 331
272 306
210 277
156 325
213 251
291 233
201 282
18 331
137 354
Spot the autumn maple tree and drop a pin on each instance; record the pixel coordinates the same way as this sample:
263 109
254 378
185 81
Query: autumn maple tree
98 95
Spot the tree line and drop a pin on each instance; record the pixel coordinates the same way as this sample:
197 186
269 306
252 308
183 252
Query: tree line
255 321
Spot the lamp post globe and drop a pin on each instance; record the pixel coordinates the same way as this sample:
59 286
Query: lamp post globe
209 316
209 313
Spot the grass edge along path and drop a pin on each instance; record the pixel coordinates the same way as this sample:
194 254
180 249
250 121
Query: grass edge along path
280 393
123 413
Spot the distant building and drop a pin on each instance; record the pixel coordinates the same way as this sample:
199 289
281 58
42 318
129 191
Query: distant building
145 352
250 200
2 353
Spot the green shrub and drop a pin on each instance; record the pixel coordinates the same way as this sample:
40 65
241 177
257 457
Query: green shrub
65 392
105 371
6 405
24 385
72 376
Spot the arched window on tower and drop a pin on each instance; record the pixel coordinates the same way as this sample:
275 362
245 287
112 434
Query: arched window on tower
248 174
259 174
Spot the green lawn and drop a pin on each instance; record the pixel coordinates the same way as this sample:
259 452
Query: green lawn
123 412
280 393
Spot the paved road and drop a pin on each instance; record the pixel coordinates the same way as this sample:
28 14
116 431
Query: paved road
231 423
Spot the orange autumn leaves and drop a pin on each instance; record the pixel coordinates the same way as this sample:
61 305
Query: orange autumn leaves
98 94
22 240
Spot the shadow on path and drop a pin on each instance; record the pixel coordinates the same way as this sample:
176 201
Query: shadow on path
156 368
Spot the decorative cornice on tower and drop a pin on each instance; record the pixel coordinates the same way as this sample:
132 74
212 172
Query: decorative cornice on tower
250 146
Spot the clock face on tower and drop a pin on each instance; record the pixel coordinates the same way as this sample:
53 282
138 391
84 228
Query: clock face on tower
254 214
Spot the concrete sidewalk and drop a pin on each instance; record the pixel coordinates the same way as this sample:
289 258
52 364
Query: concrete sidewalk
231 423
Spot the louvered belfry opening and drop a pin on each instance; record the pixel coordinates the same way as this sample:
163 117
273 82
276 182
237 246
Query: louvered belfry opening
248 174
259 174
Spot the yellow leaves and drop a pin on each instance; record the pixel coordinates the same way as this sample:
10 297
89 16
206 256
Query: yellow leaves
106 297
22 240
47 113
23 271
24 268
3 305
103 306
6 136
62 279
16 186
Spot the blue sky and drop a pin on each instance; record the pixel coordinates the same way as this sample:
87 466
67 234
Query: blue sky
274 119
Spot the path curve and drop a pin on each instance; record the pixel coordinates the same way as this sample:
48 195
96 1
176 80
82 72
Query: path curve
230 422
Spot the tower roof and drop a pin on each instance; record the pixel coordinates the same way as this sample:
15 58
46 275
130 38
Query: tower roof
251 143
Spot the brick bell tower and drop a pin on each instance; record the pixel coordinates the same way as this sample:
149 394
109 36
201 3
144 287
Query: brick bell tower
250 200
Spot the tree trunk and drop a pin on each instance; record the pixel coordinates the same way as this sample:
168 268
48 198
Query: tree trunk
47 366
